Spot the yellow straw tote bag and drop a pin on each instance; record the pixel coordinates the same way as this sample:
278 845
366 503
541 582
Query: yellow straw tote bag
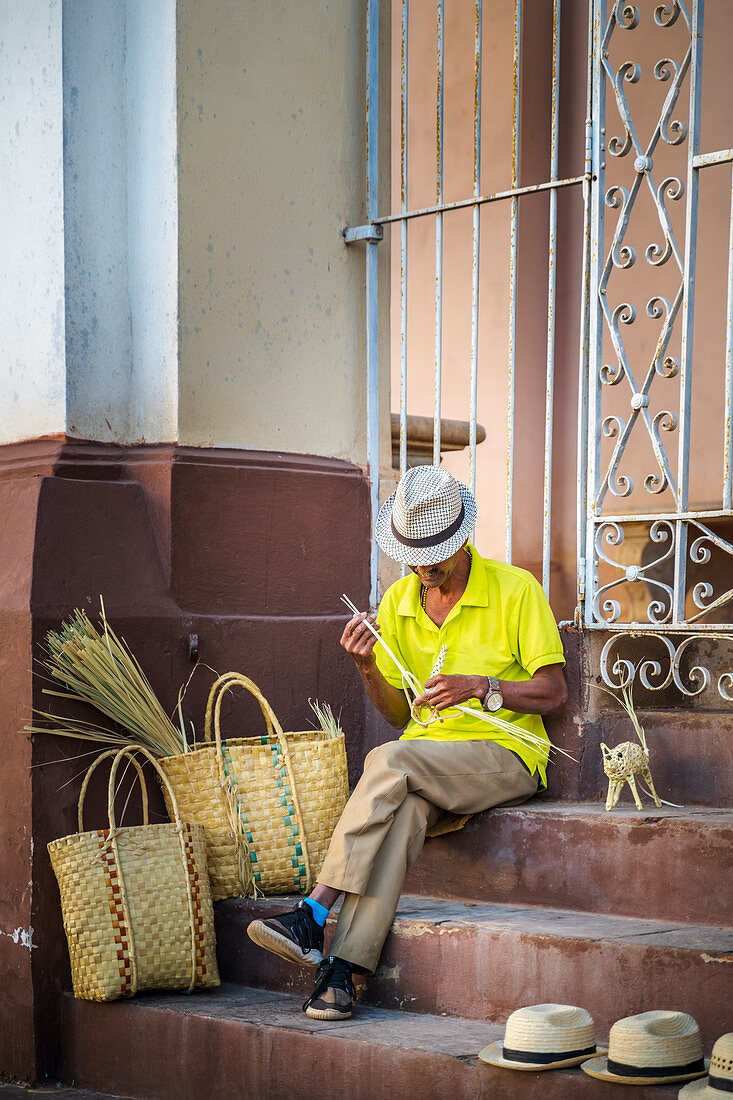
269 803
136 900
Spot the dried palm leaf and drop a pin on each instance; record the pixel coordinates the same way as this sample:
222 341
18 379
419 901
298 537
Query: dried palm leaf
97 667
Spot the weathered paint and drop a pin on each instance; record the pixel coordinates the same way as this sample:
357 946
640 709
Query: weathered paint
32 364
120 220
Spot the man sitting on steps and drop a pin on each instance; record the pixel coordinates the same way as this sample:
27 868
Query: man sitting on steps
503 656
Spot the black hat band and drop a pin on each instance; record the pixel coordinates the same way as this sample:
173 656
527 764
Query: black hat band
541 1059
431 540
623 1070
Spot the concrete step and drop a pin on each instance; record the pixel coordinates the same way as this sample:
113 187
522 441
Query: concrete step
24 1092
258 1045
667 864
482 961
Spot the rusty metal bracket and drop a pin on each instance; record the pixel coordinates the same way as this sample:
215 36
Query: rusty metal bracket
373 233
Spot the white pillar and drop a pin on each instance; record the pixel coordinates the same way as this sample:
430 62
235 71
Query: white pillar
32 360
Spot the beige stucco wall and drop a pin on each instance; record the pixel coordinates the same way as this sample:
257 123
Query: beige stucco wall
271 148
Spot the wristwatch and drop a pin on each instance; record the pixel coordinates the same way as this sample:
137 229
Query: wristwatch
493 699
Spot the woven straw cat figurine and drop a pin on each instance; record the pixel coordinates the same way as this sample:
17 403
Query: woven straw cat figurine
622 764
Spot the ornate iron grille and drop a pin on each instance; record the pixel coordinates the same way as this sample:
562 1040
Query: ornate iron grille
658 556
655 552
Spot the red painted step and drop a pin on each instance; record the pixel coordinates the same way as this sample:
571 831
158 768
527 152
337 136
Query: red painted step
239 1042
482 961
664 864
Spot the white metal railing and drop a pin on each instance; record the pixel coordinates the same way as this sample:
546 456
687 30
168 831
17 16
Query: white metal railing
372 233
677 533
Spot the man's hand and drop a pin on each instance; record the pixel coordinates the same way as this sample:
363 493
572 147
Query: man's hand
445 691
358 640
545 692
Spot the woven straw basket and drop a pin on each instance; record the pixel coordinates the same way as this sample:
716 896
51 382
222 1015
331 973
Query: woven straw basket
136 901
269 803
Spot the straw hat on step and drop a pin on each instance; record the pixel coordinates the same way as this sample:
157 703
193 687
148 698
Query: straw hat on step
543 1037
719 1084
653 1048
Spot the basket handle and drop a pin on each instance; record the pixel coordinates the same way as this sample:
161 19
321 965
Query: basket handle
216 696
232 679
128 753
82 794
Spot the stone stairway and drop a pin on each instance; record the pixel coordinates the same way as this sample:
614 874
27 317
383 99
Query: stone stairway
514 910
258 1045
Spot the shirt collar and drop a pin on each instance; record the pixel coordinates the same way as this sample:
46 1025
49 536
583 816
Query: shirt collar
476 594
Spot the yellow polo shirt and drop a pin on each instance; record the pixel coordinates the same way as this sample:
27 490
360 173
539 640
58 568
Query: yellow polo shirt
502 626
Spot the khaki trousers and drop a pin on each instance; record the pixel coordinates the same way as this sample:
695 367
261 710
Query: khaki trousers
405 787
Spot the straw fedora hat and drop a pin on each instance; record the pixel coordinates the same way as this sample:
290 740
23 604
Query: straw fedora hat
653 1048
543 1037
428 517
720 1082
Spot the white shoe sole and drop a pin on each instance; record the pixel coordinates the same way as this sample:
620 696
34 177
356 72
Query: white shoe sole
327 1014
264 936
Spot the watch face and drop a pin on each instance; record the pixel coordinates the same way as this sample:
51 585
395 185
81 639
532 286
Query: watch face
495 701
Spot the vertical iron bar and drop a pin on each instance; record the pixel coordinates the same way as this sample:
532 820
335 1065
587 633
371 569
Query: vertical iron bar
403 243
403 240
439 236
372 285
688 311
728 448
595 344
551 293
583 351
476 243
514 217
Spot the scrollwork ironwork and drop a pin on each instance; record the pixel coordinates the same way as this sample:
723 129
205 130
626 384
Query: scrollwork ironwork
627 15
612 533
636 589
622 255
700 553
666 15
654 675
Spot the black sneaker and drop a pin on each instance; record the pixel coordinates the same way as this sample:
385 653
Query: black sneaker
295 935
332 996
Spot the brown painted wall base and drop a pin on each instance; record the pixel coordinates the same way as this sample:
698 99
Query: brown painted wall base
250 551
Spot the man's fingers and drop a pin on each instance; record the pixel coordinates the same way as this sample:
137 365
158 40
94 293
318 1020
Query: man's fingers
362 632
357 638
437 699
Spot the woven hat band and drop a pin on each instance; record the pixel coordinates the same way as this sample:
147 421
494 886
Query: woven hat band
621 1069
542 1058
430 540
722 1084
